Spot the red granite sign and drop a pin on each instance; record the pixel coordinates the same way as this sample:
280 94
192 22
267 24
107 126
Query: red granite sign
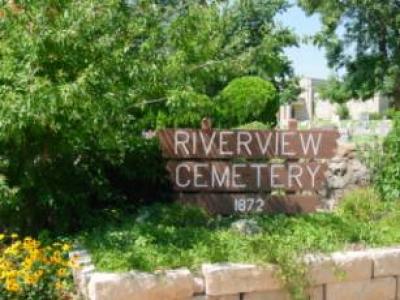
228 171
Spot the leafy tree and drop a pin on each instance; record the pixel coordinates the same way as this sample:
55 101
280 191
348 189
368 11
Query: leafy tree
342 111
368 49
334 90
81 80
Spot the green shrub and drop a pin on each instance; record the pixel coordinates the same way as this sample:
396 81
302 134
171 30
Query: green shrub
342 111
362 204
81 80
376 116
63 189
390 113
388 176
255 126
247 99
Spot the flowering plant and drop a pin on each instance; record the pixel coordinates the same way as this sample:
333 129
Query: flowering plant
30 270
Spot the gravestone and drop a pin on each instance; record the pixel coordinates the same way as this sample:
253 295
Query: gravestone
227 171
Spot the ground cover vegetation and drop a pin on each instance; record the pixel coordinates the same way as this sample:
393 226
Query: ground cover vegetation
172 236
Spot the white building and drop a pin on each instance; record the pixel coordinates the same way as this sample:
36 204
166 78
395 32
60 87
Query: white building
310 107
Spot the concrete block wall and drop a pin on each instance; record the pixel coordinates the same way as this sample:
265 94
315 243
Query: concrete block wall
365 275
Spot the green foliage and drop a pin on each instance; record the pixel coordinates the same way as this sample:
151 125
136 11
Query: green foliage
255 126
290 91
334 90
81 80
367 49
391 113
248 99
154 238
8 203
388 177
376 116
364 205
342 111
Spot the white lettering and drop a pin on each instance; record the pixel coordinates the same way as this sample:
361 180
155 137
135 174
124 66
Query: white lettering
199 176
263 147
310 140
295 175
285 143
183 142
275 176
258 172
244 143
313 173
236 176
207 147
222 180
223 142
177 175
194 137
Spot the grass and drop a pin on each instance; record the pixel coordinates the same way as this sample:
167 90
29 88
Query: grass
171 236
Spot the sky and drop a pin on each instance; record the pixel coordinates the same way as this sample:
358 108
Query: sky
307 59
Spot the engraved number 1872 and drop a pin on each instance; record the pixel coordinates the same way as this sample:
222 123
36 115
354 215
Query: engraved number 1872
249 204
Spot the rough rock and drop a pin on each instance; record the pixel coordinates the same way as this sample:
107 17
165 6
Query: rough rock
198 285
340 266
222 279
386 262
271 295
345 150
170 285
375 289
246 226
345 173
224 297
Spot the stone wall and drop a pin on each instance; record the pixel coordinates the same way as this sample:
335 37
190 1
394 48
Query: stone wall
366 275
345 173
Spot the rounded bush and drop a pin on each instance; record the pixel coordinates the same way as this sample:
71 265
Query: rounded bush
247 99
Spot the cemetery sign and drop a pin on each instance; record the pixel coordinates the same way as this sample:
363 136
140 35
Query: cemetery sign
227 171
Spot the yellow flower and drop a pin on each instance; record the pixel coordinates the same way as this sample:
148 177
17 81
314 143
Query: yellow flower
66 247
31 279
73 263
62 272
14 235
27 263
59 285
35 254
2 275
13 249
56 258
2 237
30 244
12 286
11 274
